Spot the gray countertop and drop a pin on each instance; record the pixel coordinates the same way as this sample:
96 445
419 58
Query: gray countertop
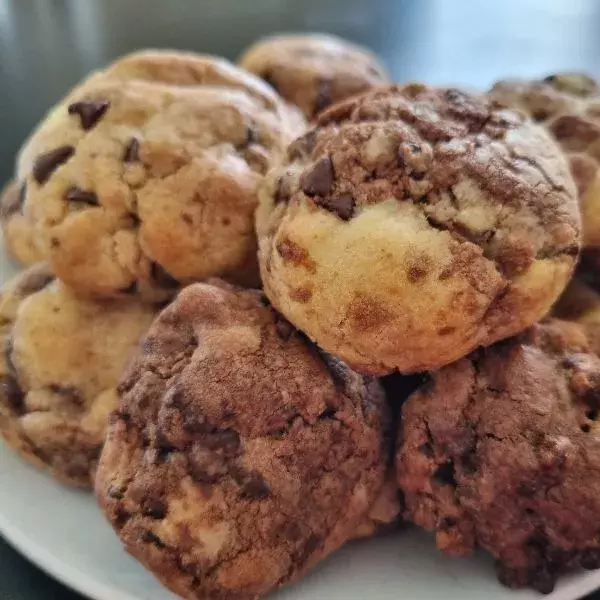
48 45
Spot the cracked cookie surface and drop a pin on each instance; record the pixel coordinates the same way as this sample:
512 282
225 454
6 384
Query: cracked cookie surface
502 450
17 231
568 105
411 225
59 367
314 71
235 444
145 176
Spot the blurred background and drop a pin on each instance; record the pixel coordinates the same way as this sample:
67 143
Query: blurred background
48 45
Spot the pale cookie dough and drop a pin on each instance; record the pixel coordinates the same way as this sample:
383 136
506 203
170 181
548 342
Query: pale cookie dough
17 231
412 225
144 178
60 362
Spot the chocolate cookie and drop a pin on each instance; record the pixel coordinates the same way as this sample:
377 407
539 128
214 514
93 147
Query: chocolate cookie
502 450
145 176
240 454
412 225
59 367
314 71
568 105
18 233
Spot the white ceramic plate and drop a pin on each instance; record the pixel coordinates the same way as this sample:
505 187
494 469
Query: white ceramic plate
64 533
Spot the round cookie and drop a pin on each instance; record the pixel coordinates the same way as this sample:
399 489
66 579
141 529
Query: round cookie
412 225
502 450
314 71
145 177
568 105
18 233
59 367
235 445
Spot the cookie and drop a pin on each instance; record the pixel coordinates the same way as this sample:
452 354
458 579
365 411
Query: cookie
411 225
235 445
581 303
314 71
18 233
59 368
145 177
568 105
501 450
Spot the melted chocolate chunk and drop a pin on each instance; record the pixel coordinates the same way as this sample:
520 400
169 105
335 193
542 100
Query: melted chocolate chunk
318 180
342 206
75 194
13 201
132 151
89 112
45 164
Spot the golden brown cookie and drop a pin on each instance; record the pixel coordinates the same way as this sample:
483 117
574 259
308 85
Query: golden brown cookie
502 450
18 232
568 105
240 454
145 176
412 225
314 71
60 362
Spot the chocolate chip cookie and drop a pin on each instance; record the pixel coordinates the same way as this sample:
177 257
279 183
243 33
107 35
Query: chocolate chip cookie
61 360
145 176
568 105
18 233
502 450
411 225
314 71
240 454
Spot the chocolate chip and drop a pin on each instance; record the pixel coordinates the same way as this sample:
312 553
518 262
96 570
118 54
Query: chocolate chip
427 450
342 206
12 395
45 164
132 151
13 200
252 484
302 146
323 96
152 538
318 180
225 441
252 136
444 474
155 509
162 278
75 194
89 112
34 282
284 327
312 543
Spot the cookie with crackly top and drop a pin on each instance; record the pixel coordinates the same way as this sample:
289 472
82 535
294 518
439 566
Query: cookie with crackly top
145 177
235 445
411 225
314 71
18 232
60 363
501 450
568 105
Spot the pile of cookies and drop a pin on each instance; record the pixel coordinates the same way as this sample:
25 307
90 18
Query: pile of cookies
274 307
